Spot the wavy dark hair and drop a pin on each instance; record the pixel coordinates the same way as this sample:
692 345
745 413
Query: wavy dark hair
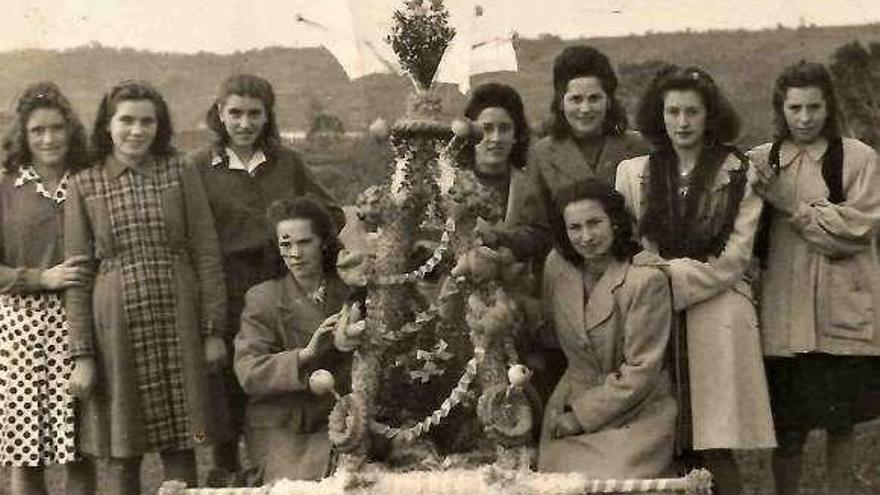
722 122
253 87
132 90
585 61
806 75
496 95
322 225
623 247
47 95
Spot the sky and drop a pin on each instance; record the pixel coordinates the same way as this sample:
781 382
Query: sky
225 26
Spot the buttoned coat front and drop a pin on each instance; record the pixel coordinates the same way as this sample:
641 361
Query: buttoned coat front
285 423
616 383
112 419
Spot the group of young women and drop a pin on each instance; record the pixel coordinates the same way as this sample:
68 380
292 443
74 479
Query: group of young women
706 300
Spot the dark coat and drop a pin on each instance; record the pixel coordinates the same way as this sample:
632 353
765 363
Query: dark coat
285 423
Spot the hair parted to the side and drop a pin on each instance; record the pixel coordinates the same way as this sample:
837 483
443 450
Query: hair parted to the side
623 247
806 75
47 95
585 61
722 122
496 95
132 90
322 224
251 86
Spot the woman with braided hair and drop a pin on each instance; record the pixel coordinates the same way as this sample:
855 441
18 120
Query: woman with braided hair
820 292
695 208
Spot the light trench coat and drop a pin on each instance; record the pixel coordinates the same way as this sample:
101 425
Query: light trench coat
821 288
616 383
730 404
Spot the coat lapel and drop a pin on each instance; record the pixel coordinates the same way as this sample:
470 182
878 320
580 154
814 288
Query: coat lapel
567 159
300 315
570 303
600 305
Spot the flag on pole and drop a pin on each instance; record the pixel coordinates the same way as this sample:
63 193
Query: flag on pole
353 33
476 47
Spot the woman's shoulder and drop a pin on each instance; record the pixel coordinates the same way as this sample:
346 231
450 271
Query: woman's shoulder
633 166
263 292
201 157
544 145
286 154
645 271
635 141
555 264
858 150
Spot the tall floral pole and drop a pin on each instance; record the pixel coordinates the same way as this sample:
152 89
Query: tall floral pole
419 37
427 188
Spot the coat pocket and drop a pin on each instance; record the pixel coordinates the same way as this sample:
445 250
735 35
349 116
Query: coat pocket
850 308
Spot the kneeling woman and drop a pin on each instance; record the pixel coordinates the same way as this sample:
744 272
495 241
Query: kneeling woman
612 413
286 333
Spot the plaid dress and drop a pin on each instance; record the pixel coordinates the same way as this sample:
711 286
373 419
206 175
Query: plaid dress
145 306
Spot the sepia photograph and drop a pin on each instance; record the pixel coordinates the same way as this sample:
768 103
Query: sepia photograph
440 247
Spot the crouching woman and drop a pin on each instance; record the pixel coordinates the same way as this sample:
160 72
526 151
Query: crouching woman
612 415
286 334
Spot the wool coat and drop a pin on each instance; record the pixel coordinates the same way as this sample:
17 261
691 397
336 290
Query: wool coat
112 421
730 405
285 423
826 252
616 383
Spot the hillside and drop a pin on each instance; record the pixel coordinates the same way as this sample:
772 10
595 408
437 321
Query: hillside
308 80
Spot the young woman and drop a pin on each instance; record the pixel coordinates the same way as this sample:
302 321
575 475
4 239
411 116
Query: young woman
588 138
244 171
821 283
612 415
497 110
44 145
695 208
146 331
286 334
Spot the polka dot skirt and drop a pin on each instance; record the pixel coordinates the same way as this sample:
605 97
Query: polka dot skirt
36 411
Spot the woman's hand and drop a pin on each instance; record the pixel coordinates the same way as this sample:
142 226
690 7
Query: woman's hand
765 182
320 341
783 201
565 425
215 353
69 273
83 378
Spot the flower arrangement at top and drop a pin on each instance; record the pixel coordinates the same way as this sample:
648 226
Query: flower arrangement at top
419 36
